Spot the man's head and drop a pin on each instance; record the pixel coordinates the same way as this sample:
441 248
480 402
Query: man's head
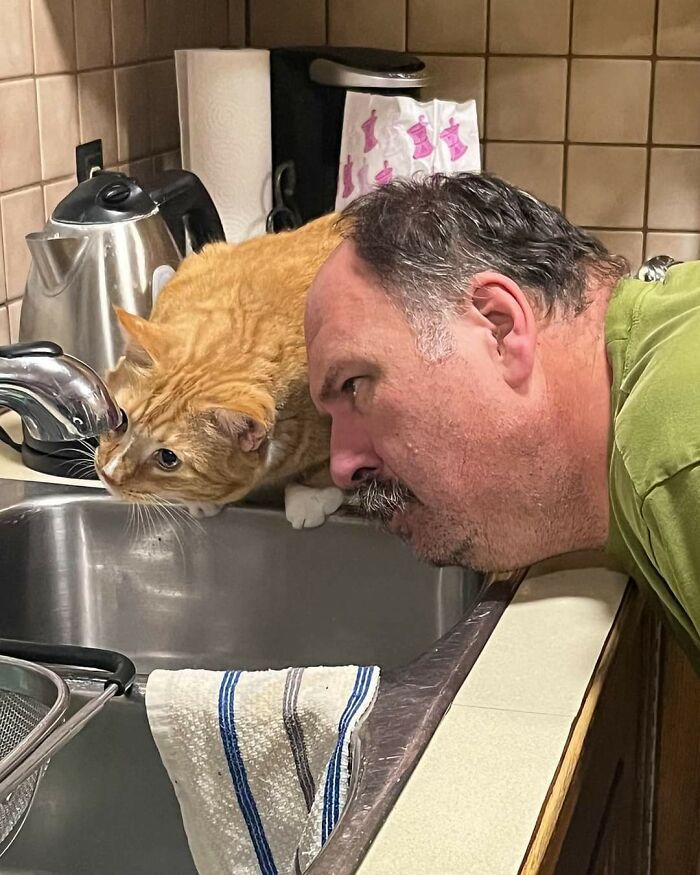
442 339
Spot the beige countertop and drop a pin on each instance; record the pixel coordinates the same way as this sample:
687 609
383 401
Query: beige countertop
474 799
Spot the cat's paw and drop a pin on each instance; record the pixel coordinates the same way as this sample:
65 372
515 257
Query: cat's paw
307 508
203 509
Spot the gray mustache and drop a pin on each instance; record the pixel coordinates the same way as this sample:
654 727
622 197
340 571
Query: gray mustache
381 499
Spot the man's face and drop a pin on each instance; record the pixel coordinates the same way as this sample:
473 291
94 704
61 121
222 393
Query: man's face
454 438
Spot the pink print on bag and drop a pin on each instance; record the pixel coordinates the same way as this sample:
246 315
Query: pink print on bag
450 136
348 186
362 181
422 147
385 175
368 130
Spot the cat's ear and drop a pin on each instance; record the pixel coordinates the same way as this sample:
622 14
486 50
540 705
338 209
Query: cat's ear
145 342
248 431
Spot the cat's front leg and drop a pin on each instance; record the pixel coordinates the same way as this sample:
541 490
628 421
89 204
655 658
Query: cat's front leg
307 507
203 509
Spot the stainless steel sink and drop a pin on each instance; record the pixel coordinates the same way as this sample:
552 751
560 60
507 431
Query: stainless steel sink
240 590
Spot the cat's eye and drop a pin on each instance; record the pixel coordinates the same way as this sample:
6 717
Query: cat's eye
166 458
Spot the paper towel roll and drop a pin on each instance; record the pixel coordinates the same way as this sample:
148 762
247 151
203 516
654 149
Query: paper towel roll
224 107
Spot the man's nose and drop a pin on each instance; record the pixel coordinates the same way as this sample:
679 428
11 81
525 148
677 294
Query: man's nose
352 459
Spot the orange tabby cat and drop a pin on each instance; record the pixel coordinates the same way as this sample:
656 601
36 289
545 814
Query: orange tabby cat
214 384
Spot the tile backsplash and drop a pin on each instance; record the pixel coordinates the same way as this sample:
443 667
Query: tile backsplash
592 104
76 70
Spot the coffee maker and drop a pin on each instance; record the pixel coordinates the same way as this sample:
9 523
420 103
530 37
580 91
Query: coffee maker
308 86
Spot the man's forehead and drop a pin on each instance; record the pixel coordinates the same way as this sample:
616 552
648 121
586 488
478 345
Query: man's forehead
343 290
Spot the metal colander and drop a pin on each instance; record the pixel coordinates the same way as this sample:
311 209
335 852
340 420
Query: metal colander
33 700
33 704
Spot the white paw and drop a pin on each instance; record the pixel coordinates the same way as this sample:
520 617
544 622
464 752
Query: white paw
307 508
204 509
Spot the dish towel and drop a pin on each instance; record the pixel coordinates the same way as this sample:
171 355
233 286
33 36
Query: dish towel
259 760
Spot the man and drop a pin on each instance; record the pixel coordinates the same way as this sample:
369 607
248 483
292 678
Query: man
501 394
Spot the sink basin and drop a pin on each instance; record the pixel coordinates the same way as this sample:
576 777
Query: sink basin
241 590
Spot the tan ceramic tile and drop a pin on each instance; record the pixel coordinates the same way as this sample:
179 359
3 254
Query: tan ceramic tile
236 23
287 22
609 101
167 161
98 113
165 127
629 244
129 24
14 311
526 98
57 98
613 27
3 293
133 128
4 326
376 23
20 161
54 192
216 21
674 203
16 57
175 24
529 27
93 31
605 186
682 247
678 31
536 167
142 170
572 612
163 28
676 115
472 803
22 213
54 39
455 78
451 26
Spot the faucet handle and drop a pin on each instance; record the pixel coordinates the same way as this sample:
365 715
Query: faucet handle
31 347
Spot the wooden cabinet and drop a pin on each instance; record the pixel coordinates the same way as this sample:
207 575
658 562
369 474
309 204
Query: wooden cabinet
626 798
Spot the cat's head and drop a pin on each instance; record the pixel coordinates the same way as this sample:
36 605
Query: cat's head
191 435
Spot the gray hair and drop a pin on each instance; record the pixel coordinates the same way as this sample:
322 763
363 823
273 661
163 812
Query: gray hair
424 238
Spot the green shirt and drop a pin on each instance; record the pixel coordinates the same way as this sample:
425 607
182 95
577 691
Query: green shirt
653 344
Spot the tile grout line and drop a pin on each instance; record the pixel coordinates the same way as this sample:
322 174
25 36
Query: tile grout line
650 135
486 55
567 107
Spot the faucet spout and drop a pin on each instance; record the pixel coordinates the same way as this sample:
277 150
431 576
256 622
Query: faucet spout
58 397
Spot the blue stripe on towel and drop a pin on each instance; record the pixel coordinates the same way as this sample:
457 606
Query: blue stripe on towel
331 803
246 802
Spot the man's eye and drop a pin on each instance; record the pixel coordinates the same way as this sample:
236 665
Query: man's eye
166 458
349 387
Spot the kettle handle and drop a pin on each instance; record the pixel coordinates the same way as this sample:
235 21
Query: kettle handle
185 204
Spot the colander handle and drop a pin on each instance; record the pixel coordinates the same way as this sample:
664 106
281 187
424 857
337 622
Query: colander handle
121 669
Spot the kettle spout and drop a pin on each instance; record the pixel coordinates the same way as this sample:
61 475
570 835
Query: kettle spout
54 257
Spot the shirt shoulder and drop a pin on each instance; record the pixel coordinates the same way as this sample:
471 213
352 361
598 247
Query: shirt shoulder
656 365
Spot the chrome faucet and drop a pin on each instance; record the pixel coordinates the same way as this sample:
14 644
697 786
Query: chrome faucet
58 397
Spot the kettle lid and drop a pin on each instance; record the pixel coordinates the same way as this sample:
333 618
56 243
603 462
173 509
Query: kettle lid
108 196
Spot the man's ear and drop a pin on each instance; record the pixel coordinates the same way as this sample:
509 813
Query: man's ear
247 431
145 341
507 312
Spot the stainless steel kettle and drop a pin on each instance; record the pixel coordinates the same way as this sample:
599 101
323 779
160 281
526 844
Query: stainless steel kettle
110 242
